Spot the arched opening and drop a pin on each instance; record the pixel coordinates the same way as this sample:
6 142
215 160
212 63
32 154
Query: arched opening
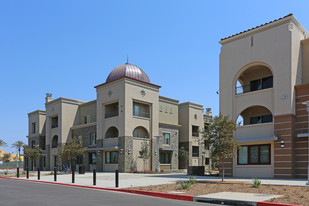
55 142
255 115
254 78
112 132
140 132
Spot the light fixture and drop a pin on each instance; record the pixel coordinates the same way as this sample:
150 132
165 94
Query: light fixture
121 151
155 153
282 143
129 151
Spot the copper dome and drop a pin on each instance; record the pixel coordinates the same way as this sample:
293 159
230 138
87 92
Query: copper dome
127 70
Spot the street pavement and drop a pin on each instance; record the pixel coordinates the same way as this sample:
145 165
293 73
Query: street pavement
15 193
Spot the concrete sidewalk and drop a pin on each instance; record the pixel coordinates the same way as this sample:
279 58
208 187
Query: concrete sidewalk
127 180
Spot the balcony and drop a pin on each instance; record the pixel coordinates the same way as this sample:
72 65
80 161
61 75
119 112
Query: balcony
255 85
141 110
111 110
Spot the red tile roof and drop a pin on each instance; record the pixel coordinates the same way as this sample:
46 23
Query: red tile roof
256 27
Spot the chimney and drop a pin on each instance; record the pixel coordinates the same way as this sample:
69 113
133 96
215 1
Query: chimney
48 97
208 112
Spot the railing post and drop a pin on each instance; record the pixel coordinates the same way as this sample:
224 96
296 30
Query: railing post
116 178
73 175
94 177
17 172
38 173
27 172
55 174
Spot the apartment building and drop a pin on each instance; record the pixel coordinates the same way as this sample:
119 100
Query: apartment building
127 114
264 84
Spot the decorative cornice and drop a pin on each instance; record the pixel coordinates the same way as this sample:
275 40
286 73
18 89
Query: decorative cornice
169 125
84 125
65 100
40 112
168 100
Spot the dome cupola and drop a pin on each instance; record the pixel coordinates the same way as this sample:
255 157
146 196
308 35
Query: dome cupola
127 70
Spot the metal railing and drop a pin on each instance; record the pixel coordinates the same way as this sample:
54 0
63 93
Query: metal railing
251 88
141 114
111 114
11 165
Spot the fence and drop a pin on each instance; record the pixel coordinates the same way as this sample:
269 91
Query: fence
11 165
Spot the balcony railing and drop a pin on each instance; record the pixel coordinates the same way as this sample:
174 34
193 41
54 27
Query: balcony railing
256 85
111 114
141 114
195 154
195 134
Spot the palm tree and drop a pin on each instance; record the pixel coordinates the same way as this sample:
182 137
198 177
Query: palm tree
18 145
2 143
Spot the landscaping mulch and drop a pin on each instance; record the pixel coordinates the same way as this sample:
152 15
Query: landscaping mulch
291 194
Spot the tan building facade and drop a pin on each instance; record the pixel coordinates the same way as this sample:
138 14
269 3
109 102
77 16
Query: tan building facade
263 84
127 115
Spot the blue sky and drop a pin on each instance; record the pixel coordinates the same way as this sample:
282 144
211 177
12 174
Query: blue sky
67 47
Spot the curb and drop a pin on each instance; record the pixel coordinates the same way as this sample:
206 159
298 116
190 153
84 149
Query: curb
273 204
132 191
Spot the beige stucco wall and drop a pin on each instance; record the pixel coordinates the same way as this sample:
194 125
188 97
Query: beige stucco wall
89 108
168 110
39 118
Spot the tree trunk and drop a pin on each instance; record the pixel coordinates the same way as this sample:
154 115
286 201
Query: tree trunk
223 170
32 164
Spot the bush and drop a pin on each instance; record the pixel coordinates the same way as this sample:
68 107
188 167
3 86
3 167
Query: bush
186 184
256 182
23 172
192 180
51 173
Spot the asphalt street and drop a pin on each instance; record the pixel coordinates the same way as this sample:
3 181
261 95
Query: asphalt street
16 193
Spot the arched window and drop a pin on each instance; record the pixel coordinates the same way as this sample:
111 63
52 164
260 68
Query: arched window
140 132
111 132
55 142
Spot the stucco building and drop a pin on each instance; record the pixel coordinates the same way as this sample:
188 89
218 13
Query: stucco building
264 83
127 114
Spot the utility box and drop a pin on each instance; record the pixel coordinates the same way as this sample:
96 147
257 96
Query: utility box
196 170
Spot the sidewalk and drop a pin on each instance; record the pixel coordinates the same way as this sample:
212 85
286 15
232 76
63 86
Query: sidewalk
127 180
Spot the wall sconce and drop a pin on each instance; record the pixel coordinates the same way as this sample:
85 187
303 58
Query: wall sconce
121 151
99 152
282 143
129 151
156 153
175 154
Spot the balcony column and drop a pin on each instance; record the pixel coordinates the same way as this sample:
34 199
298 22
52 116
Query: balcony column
307 104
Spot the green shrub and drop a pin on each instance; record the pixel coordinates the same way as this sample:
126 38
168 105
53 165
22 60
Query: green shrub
51 173
24 172
256 182
6 172
185 184
192 180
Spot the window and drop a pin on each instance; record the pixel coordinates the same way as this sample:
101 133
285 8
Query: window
206 161
87 119
79 160
195 151
33 128
111 157
112 132
261 119
92 138
195 131
111 110
80 139
55 142
92 158
254 155
141 110
264 83
165 157
54 122
267 82
166 138
32 144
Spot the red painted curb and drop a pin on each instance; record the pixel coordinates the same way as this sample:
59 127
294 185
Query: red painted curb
273 204
139 192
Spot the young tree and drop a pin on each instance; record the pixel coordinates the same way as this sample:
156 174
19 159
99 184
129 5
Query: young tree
18 145
33 153
183 156
144 153
71 151
6 157
219 138
2 143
